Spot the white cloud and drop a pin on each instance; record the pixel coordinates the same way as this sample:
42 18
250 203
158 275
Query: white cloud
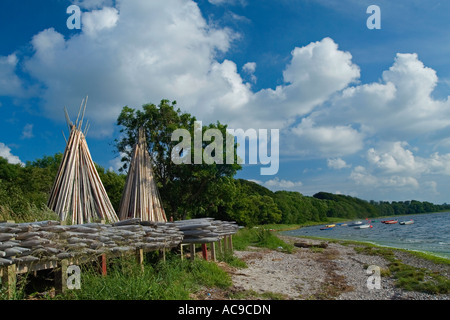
250 68
10 84
396 166
316 141
401 106
337 163
27 131
99 20
279 184
134 53
5 152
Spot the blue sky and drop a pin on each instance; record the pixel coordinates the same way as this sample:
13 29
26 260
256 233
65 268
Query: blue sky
360 111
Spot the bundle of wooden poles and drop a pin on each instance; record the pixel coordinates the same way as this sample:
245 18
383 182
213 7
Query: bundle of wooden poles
23 243
78 195
141 198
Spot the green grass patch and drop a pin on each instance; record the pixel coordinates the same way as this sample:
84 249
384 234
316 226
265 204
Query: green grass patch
172 279
259 237
408 277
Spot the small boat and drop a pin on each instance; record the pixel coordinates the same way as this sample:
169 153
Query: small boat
407 222
364 226
326 228
356 223
389 221
330 225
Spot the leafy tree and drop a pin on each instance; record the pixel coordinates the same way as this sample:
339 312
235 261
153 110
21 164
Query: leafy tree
186 189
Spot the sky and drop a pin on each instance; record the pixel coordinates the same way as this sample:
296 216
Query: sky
360 111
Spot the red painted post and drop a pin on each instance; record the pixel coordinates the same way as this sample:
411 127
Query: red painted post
204 251
102 260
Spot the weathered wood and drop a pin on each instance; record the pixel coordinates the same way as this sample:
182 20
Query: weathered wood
9 280
310 245
204 251
61 277
140 198
213 251
192 250
103 265
78 194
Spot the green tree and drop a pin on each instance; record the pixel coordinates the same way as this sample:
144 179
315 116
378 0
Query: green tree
187 190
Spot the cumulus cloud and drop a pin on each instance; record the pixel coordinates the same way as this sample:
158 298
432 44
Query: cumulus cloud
400 106
134 53
395 165
5 152
337 163
10 84
279 184
310 139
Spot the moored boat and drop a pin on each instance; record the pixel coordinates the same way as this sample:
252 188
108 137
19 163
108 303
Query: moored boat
407 222
326 228
364 226
356 223
389 221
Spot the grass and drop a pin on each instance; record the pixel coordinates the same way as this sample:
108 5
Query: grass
172 279
408 277
259 237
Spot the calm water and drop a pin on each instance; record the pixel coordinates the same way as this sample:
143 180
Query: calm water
430 232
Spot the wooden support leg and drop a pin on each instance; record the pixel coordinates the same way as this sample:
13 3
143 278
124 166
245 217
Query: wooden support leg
230 243
181 251
192 250
219 248
102 261
213 251
140 258
61 277
9 280
162 254
204 251
225 244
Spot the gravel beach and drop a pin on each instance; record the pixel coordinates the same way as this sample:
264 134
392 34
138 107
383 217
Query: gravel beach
336 272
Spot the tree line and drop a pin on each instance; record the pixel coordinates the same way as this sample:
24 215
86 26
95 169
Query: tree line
188 191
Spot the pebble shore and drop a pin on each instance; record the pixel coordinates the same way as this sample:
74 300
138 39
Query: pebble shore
337 272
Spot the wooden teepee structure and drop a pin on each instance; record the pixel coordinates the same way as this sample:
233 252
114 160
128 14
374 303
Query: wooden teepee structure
78 195
140 198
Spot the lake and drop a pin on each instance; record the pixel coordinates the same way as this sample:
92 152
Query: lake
430 233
